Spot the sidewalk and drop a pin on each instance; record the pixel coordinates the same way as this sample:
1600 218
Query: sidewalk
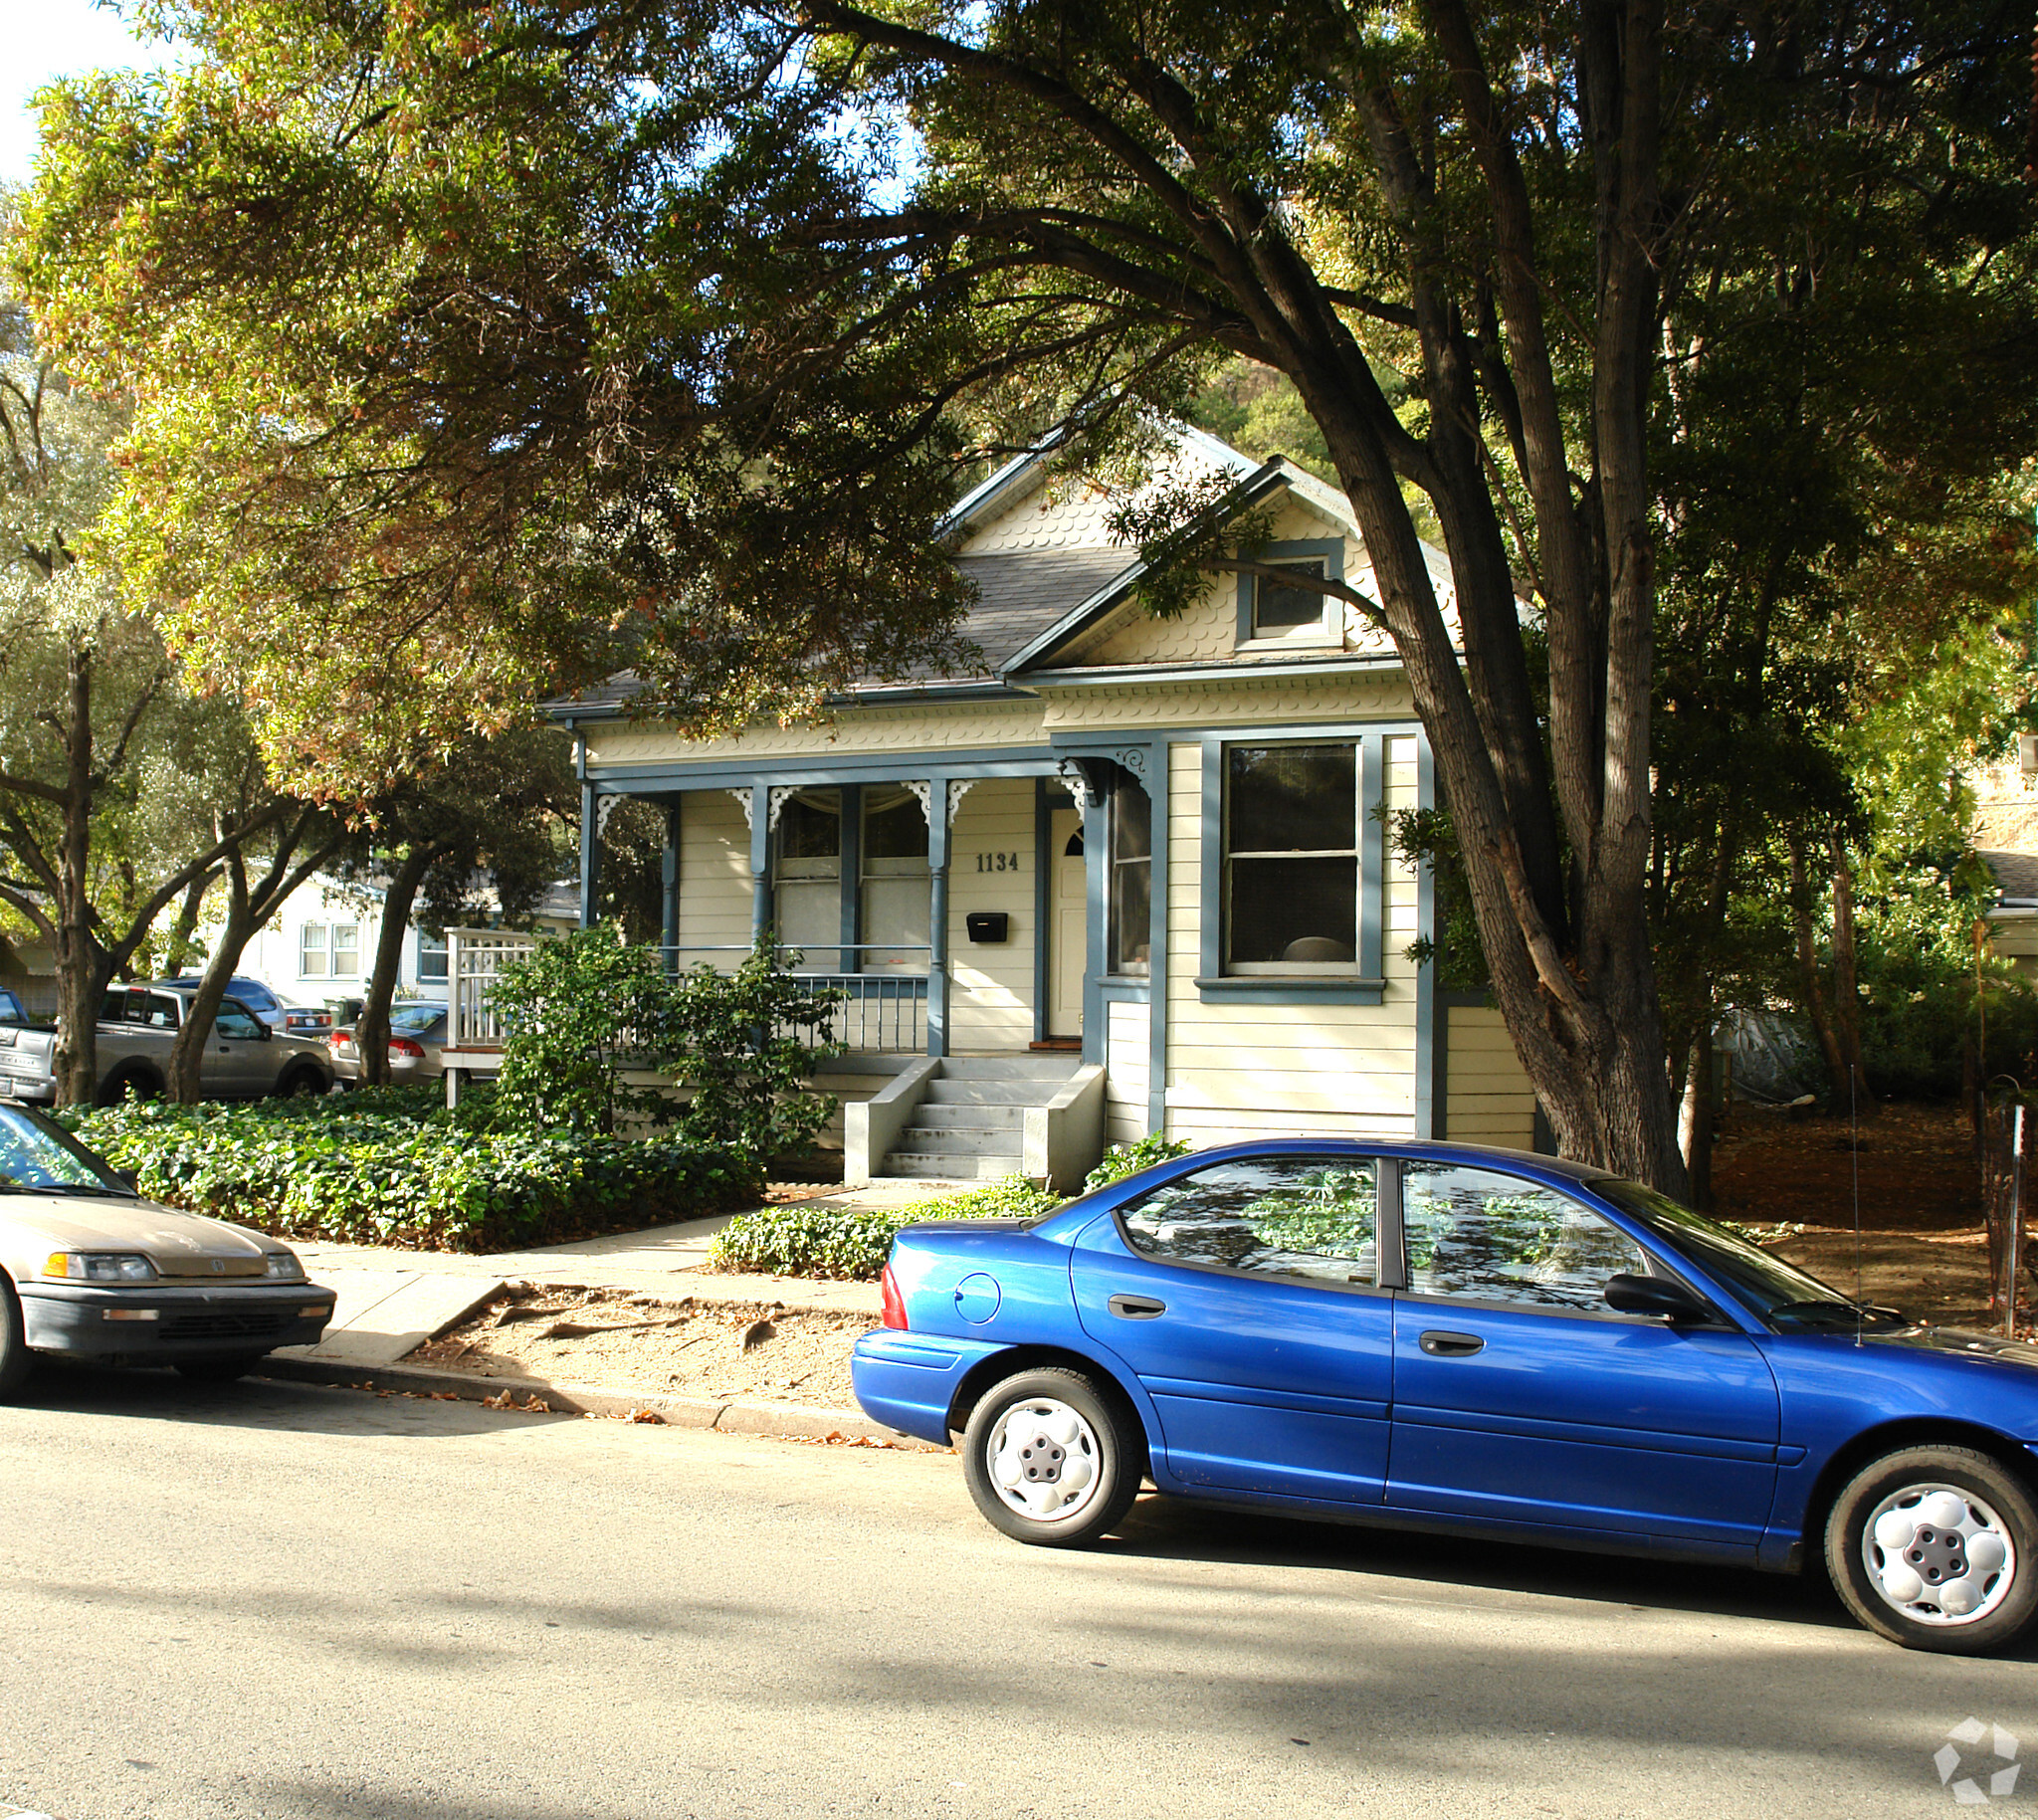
391 1301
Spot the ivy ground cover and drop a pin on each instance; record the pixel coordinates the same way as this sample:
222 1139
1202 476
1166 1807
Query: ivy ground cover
393 1167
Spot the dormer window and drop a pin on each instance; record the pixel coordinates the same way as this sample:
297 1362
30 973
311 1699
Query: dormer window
1282 608
1274 609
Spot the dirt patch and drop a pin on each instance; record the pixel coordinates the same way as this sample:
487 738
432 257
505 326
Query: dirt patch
689 1346
1792 1181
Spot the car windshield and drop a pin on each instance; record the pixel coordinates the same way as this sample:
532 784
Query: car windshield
409 1020
1787 1298
38 1157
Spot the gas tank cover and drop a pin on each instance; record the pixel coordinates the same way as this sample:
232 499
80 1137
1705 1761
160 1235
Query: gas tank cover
978 1297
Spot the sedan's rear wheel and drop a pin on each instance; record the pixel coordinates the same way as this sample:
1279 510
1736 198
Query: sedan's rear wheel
1937 1548
1053 1458
15 1358
220 1370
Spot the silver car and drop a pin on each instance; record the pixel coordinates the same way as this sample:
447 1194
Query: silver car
417 1040
88 1269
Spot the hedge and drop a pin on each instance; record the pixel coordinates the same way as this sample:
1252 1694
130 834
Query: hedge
809 1239
388 1167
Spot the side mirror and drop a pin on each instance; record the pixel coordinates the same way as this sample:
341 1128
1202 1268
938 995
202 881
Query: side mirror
1629 1295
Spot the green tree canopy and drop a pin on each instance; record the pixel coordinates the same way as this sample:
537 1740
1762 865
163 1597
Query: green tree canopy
453 324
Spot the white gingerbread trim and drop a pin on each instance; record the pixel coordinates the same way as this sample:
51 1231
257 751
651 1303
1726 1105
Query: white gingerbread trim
781 794
923 789
958 788
744 797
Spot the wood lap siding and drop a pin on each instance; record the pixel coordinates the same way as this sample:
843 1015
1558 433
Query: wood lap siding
715 877
1128 1064
1489 1100
1239 1070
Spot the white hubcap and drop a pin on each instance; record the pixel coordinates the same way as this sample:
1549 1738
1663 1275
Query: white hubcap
1938 1555
1045 1460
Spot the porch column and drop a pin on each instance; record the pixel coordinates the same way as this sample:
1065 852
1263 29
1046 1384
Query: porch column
668 878
938 914
760 861
590 840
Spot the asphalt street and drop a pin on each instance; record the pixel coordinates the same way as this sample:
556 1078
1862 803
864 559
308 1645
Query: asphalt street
285 1601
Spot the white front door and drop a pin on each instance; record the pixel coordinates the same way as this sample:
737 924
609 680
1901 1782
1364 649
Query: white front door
1067 924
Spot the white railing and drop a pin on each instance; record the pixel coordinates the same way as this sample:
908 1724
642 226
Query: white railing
884 1011
475 960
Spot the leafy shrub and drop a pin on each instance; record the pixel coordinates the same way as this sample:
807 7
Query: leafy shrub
1123 1160
808 1239
580 1012
325 1169
585 1010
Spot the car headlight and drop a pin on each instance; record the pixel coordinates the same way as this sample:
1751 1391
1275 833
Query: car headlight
100 1267
284 1266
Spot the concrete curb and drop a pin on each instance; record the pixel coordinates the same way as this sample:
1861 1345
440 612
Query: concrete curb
729 1418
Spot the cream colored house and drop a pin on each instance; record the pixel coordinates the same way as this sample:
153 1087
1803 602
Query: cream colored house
1134 878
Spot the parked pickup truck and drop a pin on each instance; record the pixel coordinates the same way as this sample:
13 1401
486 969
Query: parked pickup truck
243 1058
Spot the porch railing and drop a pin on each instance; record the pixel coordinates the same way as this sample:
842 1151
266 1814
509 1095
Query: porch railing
885 1006
475 960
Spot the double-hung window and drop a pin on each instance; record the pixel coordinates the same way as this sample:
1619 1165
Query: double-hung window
1131 876
895 881
432 955
328 950
807 877
1292 858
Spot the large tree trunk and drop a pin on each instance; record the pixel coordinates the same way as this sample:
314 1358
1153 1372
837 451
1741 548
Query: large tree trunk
82 964
372 1028
1808 974
1847 987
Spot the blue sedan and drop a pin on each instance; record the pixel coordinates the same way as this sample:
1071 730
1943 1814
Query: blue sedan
1449 1337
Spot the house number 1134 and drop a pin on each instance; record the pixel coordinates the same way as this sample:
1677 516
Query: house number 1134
997 862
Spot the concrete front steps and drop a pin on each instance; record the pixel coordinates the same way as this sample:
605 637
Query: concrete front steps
980 1119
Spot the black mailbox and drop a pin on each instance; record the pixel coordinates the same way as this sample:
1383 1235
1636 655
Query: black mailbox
989 926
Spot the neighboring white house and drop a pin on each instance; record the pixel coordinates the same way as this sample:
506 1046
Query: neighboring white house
321 943
1155 845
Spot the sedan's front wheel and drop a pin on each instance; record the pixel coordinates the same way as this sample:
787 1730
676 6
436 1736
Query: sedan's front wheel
1937 1548
15 1358
1053 1458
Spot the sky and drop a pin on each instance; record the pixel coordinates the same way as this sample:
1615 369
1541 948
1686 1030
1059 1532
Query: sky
46 38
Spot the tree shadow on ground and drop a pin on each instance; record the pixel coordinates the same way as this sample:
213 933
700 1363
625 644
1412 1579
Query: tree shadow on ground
160 1394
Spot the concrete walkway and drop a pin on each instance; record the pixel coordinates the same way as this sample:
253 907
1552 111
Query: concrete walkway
391 1301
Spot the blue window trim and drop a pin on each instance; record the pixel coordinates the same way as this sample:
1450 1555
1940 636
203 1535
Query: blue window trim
1368 986
1331 549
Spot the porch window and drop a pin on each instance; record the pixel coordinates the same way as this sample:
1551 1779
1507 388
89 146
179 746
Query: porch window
807 878
311 950
1131 878
893 898
1292 842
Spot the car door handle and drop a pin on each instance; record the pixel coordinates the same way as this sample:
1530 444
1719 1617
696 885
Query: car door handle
1137 1308
1439 1344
